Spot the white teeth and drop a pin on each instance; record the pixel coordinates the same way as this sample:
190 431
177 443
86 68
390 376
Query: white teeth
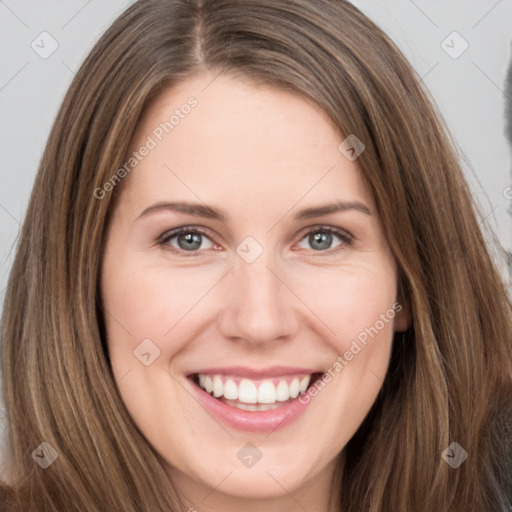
294 388
282 391
218 387
230 390
208 383
304 383
266 393
247 392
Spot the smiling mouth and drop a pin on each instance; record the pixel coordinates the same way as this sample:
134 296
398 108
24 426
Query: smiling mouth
255 394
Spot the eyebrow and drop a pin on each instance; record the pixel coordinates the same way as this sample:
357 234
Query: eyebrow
339 206
209 212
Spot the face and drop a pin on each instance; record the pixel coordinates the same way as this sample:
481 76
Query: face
231 283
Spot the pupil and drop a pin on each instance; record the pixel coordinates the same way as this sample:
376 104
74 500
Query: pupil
190 238
323 239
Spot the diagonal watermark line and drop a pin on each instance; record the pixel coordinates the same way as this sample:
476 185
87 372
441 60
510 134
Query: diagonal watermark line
198 301
277 426
491 212
220 72
124 376
74 72
211 81
428 72
3 3
486 14
424 13
307 192
76 14
378 377
14 76
199 403
491 80
10 214
301 301
116 320
286 491
216 487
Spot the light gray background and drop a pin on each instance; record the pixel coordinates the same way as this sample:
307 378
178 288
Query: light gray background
468 90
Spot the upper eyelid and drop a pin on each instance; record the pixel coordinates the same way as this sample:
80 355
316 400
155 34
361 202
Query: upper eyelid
176 231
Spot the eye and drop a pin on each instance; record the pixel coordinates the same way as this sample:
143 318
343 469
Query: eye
321 238
186 239
192 239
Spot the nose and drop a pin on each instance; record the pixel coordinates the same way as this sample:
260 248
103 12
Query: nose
259 307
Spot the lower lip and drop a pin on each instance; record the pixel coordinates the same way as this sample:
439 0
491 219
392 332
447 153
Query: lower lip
252 421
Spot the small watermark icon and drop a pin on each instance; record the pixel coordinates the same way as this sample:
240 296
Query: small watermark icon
249 249
351 147
45 45
45 455
146 352
454 455
454 45
249 455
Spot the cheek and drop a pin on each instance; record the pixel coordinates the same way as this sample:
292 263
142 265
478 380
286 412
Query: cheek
365 317
353 300
358 306
148 301
144 306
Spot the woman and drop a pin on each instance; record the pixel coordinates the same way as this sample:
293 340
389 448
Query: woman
179 332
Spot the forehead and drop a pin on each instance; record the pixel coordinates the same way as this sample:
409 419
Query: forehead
225 137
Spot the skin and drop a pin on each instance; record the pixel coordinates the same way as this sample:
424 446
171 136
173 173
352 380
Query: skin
260 154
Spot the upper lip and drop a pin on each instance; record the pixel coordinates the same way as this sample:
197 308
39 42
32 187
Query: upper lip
255 373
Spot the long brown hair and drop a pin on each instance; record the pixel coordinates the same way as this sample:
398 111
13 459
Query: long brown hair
449 373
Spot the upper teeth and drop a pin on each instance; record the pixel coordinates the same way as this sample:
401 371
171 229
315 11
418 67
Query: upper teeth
268 392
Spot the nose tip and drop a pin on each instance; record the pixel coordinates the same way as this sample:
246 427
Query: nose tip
259 308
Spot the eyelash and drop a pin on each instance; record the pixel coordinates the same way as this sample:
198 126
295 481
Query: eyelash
347 239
